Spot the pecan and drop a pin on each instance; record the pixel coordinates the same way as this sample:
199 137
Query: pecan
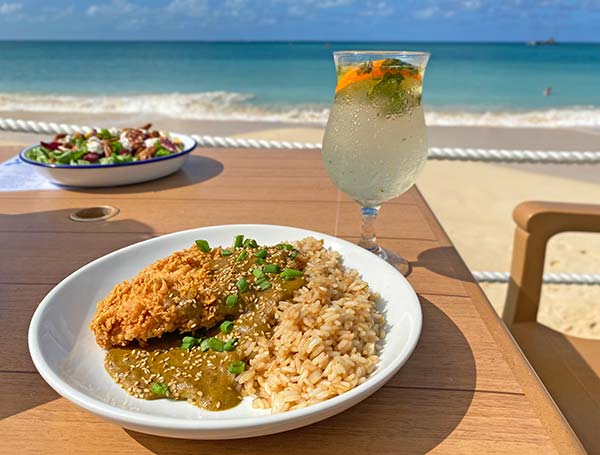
147 153
67 145
147 126
106 148
77 135
136 139
59 136
154 134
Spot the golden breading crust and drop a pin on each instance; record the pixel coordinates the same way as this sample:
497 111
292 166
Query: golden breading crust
173 293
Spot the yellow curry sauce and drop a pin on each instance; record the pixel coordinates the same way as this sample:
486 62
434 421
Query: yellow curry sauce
166 368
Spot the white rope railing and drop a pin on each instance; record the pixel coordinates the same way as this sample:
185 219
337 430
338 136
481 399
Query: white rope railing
549 278
435 153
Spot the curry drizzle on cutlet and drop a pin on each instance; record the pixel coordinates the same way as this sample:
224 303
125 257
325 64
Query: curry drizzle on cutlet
162 369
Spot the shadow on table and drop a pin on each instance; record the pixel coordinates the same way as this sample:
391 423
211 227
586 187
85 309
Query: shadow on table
439 259
42 259
197 169
399 418
57 221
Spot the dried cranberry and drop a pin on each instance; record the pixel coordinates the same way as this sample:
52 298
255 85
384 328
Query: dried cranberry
50 145
123 152
91 157
166 143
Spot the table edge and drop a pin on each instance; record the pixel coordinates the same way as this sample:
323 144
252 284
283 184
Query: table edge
558 428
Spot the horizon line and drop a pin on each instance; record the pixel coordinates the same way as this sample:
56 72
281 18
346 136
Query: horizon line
277 41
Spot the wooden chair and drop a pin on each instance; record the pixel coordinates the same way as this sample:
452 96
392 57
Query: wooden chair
568 366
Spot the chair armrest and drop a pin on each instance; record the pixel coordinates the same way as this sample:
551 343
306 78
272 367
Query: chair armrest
549 218
537 222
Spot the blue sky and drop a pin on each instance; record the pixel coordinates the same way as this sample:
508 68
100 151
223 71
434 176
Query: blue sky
349 20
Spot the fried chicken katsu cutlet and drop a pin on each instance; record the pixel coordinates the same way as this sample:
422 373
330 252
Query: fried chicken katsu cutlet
174 293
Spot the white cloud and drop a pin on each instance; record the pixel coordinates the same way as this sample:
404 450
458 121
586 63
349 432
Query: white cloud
306 7
378 8
193 8
471 5
93 10
332 3
115 7
426 13
7 9
234 7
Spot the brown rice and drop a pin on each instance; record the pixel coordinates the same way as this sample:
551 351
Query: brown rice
325 341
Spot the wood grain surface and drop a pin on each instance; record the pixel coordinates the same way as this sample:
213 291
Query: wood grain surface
466 388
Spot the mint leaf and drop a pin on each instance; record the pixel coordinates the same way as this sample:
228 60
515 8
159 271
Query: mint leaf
397 64
365 67
388 94
104 134
116 146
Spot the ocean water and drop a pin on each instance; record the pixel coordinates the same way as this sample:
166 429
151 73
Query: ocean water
465 83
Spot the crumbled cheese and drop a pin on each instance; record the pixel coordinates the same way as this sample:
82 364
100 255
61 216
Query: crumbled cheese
124 141
113 131
150 141
94 145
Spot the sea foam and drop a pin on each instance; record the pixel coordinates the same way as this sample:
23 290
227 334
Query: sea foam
233 106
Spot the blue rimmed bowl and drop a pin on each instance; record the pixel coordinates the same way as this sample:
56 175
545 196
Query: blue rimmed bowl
103 175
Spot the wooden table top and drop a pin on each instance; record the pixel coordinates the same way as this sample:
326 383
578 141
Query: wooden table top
466 388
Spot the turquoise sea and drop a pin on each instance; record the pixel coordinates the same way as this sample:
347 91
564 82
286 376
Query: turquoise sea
488 83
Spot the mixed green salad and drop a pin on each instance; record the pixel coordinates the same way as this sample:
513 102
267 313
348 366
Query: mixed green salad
106 146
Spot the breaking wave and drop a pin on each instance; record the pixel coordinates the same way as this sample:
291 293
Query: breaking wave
220 105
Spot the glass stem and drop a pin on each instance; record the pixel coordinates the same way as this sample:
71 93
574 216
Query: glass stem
368 239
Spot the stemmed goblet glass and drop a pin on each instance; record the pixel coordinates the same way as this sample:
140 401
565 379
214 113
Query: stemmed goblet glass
375 143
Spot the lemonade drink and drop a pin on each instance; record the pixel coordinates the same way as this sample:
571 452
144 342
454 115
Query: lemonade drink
375 143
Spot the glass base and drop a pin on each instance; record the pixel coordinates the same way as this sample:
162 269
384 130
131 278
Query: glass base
399 263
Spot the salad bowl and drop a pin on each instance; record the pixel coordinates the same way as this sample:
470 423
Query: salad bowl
117 174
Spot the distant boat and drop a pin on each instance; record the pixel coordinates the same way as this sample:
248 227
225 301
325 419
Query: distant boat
549 42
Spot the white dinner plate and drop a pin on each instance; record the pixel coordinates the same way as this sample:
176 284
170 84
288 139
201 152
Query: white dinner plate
65 353
105 175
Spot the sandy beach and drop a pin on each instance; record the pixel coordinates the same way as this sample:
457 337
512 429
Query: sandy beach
474 201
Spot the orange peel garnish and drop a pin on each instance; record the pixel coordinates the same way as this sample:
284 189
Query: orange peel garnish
358 74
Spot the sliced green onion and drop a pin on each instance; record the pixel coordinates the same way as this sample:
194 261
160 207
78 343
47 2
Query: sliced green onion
263 285
204 346
203 245
226 252
161 389
237 367
260 261
188 342
238 241
293 254
250 243
290 274
226 326
271 268
243 255
242 285
230 345
293 272
231 300
258 274
261 253
215 344
284 246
